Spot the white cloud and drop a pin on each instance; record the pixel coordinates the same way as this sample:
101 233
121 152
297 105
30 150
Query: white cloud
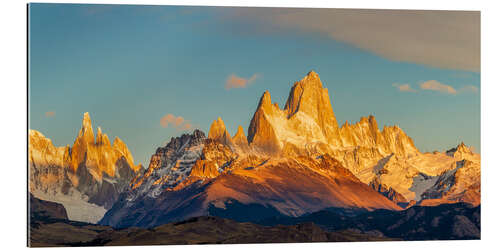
234 81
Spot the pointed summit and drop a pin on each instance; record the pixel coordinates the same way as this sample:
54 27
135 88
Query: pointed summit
460 152
307 93
265 101
240 133
261 133
265 98
346 124
312 75
101 138
86 132
218 132
240 139
462 148
372 121
86 120
372 126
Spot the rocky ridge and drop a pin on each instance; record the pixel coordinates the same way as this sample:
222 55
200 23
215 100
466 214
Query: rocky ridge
216 177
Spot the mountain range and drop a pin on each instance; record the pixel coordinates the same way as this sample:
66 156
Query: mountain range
295 161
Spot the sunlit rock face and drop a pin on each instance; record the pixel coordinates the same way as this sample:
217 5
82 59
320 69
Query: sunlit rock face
86 178
307 101
240 140
48 164
261 132
366 133
219 133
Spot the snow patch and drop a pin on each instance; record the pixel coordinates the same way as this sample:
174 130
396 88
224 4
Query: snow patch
77 206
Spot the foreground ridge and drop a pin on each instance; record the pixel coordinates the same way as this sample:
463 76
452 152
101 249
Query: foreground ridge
50 227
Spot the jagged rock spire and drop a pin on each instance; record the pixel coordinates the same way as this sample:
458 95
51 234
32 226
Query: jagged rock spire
240 135
97 153
218 132
261 134
265 101
101 138
460 152
239 139
86 132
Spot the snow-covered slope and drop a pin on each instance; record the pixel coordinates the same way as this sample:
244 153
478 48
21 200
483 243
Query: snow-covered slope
169 166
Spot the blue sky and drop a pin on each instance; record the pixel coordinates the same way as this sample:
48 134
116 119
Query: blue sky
129 66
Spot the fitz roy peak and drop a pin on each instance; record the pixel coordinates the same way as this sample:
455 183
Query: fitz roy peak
308 122
307 118
307 115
